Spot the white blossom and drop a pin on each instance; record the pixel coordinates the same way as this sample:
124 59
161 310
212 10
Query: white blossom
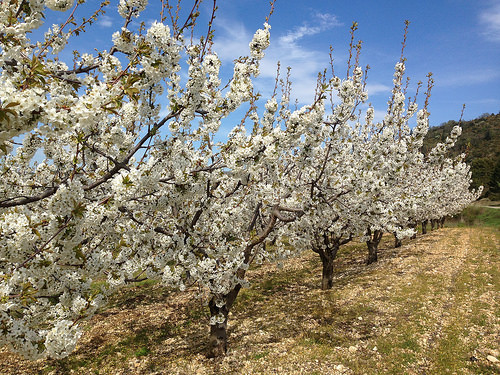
60 5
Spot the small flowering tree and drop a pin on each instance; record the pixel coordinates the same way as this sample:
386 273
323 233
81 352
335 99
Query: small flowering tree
445 184
132 184
331 221
359 189
438 186
392 148
66 221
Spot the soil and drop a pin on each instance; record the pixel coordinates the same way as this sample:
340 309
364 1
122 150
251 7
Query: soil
431 306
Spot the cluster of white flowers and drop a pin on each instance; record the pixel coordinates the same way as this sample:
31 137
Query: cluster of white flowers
131 6
60 5
116 198
260 42
61 340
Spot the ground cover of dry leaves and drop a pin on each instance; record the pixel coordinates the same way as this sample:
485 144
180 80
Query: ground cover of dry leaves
429 307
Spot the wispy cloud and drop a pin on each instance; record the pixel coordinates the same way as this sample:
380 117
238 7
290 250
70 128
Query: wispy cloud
105 21
490 22
323 22
289 49
379 115
468 78
377 88
231 41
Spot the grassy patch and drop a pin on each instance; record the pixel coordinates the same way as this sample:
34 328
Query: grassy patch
258 356
477 216
142 352
472 320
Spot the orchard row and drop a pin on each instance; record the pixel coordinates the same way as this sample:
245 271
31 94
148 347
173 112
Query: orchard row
113 171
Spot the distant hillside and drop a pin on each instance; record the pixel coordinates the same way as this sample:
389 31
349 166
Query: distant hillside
480 140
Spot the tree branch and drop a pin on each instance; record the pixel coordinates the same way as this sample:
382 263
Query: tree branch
125 160
12 202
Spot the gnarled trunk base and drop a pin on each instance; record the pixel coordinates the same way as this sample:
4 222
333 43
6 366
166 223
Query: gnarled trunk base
424 226
397 241
218 340
372 252
441 222
327 246
327 276
218 331
372 244
433 224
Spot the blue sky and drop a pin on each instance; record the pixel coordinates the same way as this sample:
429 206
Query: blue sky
457 40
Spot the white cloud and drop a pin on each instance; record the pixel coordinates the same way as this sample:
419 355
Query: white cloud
106 21
468 78
377 88
490 21
379 115
486 101
305 64
232 40
323 22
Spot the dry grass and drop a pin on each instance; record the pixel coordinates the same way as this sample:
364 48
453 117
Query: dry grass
430 307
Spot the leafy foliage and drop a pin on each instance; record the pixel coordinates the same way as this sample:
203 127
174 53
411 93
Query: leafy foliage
480 141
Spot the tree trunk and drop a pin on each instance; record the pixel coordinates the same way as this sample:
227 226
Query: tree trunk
414 227
441 222
433 224
327 258
372 244
372 252
327 247
397 241
424 226
218 331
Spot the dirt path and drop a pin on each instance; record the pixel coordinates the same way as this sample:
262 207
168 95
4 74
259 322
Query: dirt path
440 285
430 307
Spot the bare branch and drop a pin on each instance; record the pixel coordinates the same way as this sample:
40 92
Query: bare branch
119 166
18 201
255 216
